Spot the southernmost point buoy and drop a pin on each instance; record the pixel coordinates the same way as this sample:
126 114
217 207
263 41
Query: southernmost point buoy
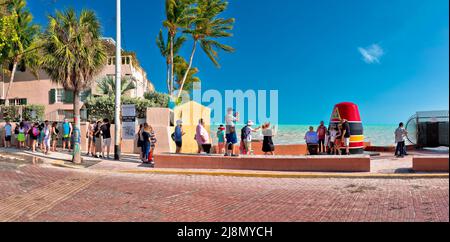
350 112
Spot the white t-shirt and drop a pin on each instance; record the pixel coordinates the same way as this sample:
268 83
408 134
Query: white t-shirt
333 135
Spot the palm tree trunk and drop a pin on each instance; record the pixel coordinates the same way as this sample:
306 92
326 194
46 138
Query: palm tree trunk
77 129
168 77
188 69
11 80
172 66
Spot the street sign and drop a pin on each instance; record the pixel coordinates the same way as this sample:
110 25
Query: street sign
128 122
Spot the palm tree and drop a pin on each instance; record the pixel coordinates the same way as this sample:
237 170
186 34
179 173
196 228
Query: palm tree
206 28
73 55
23 45
178 14
181 66
164 48
107 86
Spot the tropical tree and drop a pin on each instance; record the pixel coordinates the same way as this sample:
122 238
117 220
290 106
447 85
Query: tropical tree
164 48
73 55
179 13
181 66
206 28
107 86
22 46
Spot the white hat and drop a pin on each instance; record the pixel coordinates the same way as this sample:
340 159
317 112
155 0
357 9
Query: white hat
250 123
179 122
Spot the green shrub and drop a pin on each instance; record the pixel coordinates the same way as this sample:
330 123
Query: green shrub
12 113
103 106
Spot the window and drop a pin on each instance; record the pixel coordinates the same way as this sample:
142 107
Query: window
59 95
16 101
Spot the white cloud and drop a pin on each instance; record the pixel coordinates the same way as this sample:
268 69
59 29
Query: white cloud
372 54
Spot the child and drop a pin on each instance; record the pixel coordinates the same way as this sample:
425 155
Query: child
21 135
221 139
327 141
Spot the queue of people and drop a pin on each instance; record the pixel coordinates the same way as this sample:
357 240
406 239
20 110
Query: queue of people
146 141
47 135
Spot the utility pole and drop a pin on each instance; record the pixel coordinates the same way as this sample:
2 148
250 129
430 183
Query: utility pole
117 121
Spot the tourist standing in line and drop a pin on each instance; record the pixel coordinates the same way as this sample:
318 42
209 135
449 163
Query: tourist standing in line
247 137
338 142
231 131
400 135
16 135
47 137
146 143
153 141
67 135
202 137
106 133
178 136
268 145
346 136
312 141
41 137
27 126
34 135
139 141
21 137
334 133
55 133
327 141
321 133
98 139
221 139
90 138
8 134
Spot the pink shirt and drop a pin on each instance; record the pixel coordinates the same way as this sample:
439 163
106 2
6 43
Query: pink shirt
201 131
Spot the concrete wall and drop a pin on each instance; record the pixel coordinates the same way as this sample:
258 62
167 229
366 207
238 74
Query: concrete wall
431 164
190 113
263 163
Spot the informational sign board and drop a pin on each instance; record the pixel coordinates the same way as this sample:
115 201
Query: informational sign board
128 122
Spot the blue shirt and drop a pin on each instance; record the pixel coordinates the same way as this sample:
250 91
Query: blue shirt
66 128
8 129
178 134
312 138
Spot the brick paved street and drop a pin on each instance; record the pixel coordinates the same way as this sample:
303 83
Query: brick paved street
44 193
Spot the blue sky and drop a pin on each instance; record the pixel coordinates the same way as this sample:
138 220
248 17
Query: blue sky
391 57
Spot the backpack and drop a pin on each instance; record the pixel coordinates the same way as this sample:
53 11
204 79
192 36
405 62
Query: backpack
245 133
35 131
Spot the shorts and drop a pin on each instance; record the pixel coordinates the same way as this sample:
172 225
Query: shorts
179 144
232 138
247 146
347 142
47 143
66 138
107 142
8 138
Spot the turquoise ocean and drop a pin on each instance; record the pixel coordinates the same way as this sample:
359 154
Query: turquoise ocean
378 135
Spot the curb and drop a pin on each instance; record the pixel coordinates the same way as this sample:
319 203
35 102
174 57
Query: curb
298 176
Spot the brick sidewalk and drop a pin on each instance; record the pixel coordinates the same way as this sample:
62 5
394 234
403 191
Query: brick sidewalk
39 193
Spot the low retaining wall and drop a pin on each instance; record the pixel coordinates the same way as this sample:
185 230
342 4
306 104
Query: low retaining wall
266 163
431 164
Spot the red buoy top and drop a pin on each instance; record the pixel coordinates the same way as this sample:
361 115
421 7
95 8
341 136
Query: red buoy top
346 110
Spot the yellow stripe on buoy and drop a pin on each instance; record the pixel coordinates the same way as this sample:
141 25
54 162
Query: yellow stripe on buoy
357 138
